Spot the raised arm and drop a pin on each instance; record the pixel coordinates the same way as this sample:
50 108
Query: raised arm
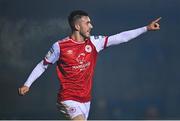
101 42
51 57
131 34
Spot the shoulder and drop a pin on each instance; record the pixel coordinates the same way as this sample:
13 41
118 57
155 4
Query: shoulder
97 37
57 44
67 39
98 41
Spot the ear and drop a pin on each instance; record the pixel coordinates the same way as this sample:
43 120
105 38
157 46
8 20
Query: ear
77 27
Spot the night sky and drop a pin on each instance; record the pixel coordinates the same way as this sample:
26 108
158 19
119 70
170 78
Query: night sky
135 80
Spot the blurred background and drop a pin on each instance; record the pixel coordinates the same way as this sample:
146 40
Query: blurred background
135 80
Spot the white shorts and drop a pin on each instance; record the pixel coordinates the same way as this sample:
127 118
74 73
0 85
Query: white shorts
71 108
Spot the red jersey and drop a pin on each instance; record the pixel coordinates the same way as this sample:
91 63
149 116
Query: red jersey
75 69
76 62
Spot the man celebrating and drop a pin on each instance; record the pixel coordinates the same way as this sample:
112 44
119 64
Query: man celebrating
76 57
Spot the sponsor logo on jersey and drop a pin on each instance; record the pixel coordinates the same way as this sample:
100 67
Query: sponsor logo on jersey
69 52
83 64
88 48
81 58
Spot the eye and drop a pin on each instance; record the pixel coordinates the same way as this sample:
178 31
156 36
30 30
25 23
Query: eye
88 22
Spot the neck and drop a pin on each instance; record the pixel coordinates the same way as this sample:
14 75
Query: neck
77 37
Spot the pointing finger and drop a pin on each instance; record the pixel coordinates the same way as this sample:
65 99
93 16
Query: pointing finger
157 20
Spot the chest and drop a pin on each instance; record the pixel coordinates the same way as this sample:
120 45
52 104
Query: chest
77 53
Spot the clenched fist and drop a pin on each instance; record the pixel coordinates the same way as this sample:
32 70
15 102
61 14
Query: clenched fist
23 90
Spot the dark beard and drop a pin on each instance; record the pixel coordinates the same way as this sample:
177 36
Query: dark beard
84 36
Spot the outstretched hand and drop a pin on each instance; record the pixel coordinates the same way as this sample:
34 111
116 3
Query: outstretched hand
154 25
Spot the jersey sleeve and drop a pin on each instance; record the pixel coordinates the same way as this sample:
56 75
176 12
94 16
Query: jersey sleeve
36 73
100 42
51 57
53 54
125 36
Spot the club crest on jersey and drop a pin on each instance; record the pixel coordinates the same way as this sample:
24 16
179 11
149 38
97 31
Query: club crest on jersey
88 48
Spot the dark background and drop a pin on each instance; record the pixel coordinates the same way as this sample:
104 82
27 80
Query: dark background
135 80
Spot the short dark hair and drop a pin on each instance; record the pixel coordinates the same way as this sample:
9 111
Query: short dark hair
75 15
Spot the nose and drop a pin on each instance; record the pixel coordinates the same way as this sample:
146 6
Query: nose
91 26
